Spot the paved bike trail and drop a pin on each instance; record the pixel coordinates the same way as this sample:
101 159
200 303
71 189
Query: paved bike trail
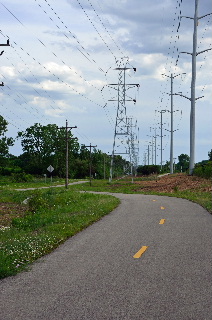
148 259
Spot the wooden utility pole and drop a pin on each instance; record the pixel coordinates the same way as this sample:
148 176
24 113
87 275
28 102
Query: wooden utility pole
67 139
90 146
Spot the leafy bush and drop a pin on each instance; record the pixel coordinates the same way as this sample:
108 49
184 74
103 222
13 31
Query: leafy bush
37 201
203 170
198 171
148 169
7 171
21 177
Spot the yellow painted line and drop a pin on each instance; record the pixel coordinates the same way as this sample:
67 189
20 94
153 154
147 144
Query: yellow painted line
153 200
140 252
162 221
162 208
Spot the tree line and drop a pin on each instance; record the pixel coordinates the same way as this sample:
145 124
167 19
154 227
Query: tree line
45 145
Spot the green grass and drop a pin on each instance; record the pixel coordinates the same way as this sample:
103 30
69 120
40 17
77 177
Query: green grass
202 198
56 214
122 186
126 186
7 183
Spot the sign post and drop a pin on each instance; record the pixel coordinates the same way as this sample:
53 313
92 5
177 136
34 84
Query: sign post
50 169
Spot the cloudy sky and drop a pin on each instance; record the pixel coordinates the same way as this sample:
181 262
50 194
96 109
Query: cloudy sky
63 55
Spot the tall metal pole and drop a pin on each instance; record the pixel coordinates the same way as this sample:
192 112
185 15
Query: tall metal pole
193 83
172 125
66 183
155 149
148 154
161 140
171 142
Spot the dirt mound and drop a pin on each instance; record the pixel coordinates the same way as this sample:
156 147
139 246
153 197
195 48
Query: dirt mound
173 183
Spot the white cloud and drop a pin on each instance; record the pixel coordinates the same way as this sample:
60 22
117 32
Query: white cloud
8 72
50 78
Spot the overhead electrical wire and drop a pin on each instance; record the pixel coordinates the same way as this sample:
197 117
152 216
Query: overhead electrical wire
84 52
117 46
45 67
90 20
58 78
169 66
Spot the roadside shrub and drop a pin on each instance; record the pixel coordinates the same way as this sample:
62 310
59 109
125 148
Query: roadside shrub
21 177
198 171
148 169
38 202
203 170
208 171
7 171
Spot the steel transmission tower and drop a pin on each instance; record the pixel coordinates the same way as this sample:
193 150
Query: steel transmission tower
133 146
121 132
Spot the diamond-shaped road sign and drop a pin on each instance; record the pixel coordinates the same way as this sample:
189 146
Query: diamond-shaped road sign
50 168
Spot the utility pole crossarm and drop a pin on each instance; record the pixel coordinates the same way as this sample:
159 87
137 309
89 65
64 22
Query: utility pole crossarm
186 52
203 51
5 45
181 95
187 17
205 16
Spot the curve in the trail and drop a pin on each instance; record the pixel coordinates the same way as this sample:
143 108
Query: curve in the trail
148 259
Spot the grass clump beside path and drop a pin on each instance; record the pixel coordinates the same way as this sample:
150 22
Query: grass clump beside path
50 217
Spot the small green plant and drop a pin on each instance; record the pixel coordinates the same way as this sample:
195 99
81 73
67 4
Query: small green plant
175 188
37 201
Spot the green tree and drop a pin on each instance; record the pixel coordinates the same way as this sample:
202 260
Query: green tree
183 162
210 155
46 145
5 142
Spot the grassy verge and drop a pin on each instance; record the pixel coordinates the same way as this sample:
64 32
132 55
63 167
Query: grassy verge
7 183
203 198
121 186
55 215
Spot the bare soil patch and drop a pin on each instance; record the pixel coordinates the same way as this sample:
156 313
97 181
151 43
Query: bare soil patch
173 183
10 210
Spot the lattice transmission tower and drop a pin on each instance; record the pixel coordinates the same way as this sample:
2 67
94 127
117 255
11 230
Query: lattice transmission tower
122 124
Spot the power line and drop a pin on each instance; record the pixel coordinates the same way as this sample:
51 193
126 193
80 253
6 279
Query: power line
82 50
95 29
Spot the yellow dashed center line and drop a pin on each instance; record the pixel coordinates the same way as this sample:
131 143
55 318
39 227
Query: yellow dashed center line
162 221
162 208
140 252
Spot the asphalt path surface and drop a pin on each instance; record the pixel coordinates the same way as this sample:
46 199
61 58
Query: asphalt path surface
148 259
